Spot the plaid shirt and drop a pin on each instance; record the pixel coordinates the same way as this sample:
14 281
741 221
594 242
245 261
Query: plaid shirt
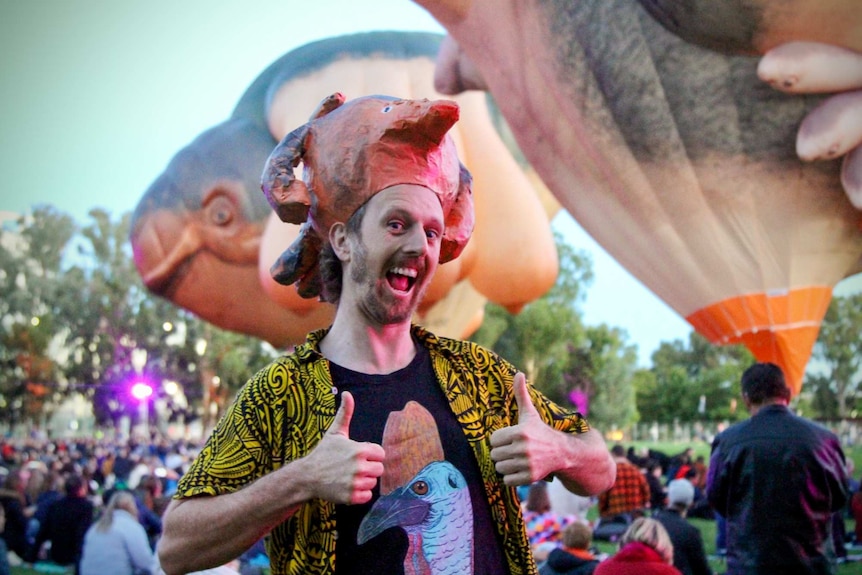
629 493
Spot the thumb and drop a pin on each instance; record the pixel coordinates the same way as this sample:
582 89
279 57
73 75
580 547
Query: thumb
522 398
341 423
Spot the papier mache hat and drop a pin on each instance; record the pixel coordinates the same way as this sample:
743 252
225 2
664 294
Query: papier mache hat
352 150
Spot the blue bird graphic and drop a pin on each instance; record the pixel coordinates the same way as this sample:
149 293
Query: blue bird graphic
435 510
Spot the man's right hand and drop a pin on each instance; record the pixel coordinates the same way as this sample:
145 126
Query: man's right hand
342 470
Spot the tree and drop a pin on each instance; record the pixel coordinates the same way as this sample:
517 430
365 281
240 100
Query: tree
839 349
612 365
686 376
122 318
550 343
103 317
75 320
537 339
31 251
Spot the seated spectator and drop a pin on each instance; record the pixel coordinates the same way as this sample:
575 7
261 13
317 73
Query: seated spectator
627 498
65 525
657 488
630 492
147 493
689 554
119 540
700 507
645 549
12 500
53 492
566 503
663 459
5 569
543 525
701 469
635 459
574 557
680 464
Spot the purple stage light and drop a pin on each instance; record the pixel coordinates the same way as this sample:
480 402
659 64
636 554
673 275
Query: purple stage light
141 390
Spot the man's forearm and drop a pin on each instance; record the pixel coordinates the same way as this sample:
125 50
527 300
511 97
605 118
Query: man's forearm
209 531
590 469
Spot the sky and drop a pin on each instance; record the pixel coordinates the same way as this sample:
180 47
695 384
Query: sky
96 96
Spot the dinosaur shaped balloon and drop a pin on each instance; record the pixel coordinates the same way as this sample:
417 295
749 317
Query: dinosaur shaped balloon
205 238
675 156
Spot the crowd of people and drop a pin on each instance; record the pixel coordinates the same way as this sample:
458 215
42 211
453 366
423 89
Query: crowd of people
87 503
778 487
645 512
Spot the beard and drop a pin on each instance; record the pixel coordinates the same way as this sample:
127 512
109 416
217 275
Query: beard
376 298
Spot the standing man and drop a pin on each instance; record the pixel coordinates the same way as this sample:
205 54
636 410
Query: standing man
776 478
376 446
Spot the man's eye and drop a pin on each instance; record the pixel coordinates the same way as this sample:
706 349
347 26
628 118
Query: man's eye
432 234
395 226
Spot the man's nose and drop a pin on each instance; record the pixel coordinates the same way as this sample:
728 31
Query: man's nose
416 242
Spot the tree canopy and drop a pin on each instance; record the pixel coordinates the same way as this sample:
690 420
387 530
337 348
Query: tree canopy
77 318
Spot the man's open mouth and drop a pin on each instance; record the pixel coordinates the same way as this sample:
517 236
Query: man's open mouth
401 279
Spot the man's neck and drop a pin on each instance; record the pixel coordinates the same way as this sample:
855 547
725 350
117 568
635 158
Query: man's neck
373 350
753 409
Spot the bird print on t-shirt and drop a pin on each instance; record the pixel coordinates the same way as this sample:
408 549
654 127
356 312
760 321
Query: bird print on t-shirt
434 509
432 506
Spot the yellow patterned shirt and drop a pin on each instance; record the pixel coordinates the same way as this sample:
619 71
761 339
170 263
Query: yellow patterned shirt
284 410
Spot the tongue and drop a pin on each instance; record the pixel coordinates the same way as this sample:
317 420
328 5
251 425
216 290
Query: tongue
398 282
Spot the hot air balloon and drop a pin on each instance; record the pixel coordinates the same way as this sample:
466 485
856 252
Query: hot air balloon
205 238
675 157
757 26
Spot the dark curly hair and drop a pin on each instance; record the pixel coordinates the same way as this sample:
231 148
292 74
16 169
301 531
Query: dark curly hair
331 270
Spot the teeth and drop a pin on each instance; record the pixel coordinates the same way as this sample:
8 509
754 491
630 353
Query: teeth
409 272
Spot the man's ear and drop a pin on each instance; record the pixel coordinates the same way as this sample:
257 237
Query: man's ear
338 241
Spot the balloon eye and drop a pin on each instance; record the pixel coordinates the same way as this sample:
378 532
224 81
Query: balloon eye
220 211
386 109
419 488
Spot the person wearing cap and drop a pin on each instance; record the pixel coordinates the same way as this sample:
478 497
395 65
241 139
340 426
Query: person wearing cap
376 446
776 478
689 553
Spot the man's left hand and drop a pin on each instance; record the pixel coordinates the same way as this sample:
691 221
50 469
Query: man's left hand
530 450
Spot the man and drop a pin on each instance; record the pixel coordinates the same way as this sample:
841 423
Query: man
689 554
630 493
376 447
776 478
65 525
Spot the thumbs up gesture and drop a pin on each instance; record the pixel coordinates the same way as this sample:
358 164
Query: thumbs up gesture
343 470
530 450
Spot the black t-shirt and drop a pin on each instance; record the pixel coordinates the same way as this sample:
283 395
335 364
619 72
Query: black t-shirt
433 509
